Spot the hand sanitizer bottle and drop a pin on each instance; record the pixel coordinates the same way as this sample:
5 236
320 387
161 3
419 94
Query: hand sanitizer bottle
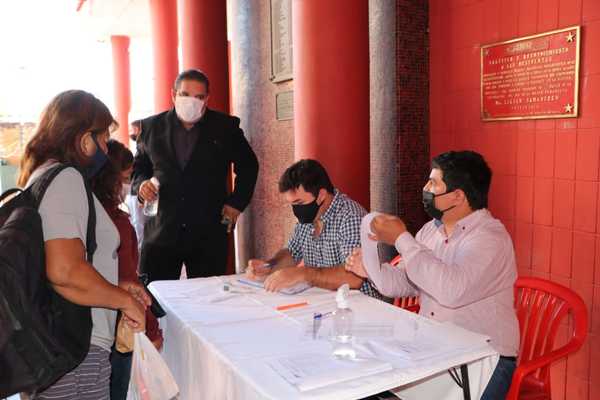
343 319
151 207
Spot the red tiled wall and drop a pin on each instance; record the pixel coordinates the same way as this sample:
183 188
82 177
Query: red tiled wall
412 44
546 172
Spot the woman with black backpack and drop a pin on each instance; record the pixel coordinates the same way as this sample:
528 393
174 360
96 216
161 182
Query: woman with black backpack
74 130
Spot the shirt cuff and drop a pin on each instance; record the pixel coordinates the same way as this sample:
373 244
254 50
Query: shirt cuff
404 243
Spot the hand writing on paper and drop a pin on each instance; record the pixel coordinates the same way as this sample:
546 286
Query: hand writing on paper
386 228
354 263
257 271
284 278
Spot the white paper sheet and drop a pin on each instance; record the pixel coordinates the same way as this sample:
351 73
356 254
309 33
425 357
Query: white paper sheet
223 312
314 370
298 288
369 250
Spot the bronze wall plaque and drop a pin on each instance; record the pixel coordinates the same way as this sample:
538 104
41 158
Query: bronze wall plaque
281 40
284 105
531 77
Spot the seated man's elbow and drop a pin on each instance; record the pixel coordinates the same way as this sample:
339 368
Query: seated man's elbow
355 283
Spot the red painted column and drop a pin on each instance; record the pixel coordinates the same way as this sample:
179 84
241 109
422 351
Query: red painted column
331 90
122 87
163 16
204 45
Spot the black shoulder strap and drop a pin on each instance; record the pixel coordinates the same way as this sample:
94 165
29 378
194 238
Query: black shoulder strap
91 244
8 193
39 188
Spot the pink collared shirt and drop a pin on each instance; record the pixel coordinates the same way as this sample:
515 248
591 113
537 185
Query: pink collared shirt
466 278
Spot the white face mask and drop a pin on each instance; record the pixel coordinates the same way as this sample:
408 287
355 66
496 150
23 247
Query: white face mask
189 109
125 190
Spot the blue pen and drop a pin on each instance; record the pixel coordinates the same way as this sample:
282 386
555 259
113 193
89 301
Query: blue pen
321 315
317 317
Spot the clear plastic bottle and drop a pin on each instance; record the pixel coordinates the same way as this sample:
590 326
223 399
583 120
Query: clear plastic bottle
151 207
343 319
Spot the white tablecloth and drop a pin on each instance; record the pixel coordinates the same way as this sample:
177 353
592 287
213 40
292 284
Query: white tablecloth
218 347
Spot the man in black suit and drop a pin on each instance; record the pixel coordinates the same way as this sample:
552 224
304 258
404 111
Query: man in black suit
189 150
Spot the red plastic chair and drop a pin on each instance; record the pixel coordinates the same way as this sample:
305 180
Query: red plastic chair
408 303
541 307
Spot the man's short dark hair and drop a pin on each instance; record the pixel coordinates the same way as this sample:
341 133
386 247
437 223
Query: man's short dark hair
137 124
468 171
191 75
308 173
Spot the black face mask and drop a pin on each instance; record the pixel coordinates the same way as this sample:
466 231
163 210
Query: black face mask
98 160
429 205
306 213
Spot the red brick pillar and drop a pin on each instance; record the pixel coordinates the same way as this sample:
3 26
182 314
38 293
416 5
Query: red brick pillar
331 85
122 87
163 16
204 45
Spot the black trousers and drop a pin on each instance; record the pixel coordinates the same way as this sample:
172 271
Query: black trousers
203 256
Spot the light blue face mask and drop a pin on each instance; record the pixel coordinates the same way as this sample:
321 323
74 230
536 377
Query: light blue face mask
98 160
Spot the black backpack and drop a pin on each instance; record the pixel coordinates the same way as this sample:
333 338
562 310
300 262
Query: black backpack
42 335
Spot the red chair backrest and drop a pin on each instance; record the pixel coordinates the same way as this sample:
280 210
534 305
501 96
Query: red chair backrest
541 306
408 303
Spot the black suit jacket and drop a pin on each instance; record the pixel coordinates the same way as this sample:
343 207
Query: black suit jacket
191 199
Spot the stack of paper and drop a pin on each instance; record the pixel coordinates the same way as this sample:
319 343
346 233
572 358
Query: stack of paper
315 370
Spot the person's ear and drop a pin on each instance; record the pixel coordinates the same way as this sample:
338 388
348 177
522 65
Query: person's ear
321 196
460 196
173 95
87 145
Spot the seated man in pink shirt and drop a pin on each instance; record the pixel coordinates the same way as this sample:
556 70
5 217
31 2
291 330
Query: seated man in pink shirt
461 263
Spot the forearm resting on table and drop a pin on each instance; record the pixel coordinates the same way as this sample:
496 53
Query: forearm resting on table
332 277
76 280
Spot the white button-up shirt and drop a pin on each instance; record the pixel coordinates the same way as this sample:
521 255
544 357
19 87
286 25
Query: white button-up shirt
467 278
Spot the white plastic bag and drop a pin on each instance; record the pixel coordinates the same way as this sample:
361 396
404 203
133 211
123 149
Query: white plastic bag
151 379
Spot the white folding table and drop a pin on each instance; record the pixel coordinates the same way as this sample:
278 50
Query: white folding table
218 345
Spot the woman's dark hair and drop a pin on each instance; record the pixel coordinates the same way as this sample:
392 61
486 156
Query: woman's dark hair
467 171
308 173
65 119
106 185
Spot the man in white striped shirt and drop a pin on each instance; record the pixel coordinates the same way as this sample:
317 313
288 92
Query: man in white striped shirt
461 264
